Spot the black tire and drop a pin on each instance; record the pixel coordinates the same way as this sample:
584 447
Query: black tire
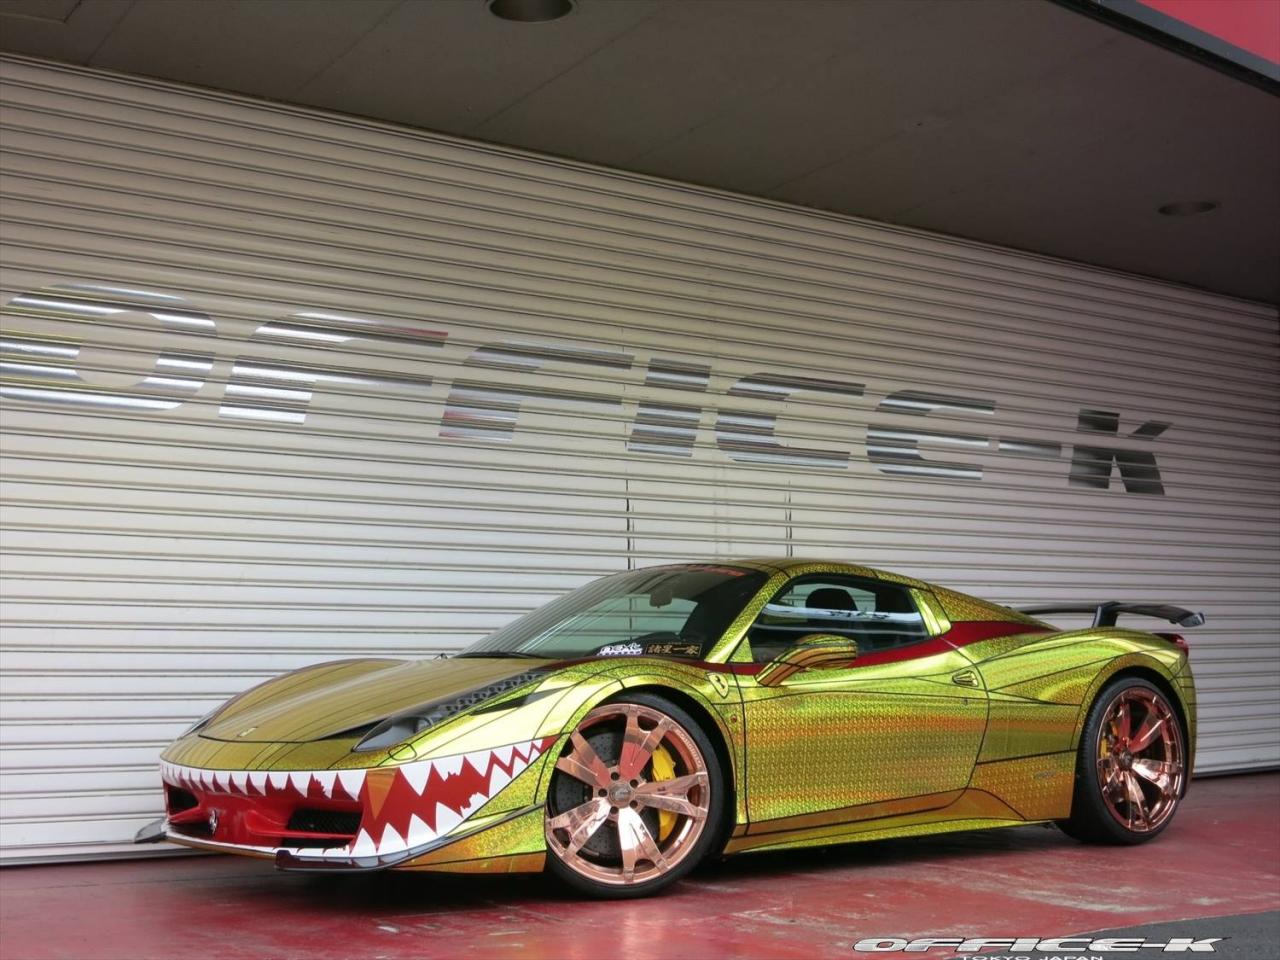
1093 818
697 850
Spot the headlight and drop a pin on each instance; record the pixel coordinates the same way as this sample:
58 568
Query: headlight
402 726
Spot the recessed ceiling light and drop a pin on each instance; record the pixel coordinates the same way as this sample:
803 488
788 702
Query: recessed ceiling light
530 11
1188 208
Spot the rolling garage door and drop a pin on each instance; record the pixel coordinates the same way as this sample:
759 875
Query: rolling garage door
281 387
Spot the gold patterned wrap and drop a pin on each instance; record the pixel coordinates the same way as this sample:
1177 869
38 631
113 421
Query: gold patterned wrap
975 726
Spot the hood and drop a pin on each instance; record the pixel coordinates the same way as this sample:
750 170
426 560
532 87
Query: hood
316 703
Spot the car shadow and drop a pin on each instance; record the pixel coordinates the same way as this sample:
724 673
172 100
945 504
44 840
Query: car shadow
402 892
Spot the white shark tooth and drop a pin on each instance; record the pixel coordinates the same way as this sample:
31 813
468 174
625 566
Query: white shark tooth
446 819
479 760
277 779
504 754
419 832
258 780
363 847
498 779
352 781
300 780
392 842
416 774
326 779
208 780
238 780
449 766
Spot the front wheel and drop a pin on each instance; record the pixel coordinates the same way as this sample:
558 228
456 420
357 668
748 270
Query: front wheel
1131 769
635 800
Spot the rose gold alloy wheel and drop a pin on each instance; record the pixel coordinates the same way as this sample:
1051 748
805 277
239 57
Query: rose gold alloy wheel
630 796
1140 759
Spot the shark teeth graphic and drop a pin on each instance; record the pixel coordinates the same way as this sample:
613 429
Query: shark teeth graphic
363 845
447 819
391 842
326 779
416 774
426 799
419 832
351 781
450 766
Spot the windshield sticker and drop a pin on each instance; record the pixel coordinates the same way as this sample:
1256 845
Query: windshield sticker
620 650
673 649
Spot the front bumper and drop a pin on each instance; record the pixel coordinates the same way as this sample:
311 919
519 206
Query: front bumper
360 819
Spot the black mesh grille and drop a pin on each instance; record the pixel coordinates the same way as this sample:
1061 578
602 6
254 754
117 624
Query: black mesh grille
180 799
325 821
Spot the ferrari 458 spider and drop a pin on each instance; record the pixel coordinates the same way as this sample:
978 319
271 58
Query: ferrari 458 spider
634 726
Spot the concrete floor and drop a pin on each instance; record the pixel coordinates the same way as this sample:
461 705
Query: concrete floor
1220 856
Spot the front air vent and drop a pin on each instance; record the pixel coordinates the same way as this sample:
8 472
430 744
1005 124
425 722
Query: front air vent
178 799
332 828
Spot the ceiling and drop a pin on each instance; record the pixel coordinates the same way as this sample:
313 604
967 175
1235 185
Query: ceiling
1019 123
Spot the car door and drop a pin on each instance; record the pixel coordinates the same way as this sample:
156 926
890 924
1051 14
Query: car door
895 731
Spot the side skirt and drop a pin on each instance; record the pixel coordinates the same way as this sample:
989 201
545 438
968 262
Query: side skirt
970 810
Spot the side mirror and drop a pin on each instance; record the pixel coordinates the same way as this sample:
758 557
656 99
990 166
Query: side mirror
816 651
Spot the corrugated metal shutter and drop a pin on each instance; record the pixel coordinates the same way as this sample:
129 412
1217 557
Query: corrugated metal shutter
281 387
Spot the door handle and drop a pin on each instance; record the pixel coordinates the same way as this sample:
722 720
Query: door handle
965 678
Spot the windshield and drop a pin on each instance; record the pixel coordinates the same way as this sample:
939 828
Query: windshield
677 611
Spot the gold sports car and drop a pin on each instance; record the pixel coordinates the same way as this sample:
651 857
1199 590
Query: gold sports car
651 718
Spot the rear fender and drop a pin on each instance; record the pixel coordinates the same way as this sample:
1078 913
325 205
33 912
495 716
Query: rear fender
1140 664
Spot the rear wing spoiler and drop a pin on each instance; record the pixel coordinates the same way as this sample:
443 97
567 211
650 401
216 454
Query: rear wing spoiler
1106 614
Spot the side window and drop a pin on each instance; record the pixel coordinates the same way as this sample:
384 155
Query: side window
879 616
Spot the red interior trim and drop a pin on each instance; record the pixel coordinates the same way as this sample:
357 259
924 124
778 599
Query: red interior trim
960 635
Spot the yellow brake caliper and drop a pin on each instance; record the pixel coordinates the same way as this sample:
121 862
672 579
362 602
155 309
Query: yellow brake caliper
664 768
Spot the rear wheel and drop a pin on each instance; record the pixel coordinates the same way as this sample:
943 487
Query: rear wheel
635 799
1131 769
